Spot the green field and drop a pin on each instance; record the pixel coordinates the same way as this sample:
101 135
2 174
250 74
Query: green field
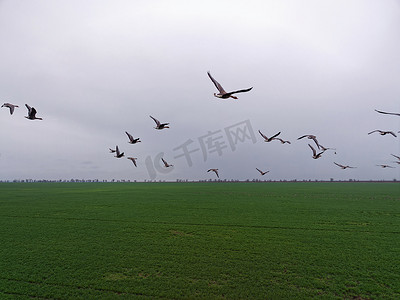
200 240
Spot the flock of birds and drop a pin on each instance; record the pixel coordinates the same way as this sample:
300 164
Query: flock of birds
316 152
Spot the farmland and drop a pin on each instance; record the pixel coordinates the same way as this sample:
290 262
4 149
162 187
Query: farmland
200 240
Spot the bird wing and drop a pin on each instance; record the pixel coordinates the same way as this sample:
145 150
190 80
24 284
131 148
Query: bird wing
263 135
129 136
398 157
117 150
392 133
240 91
165 163
339 165
302 137
387 113
217 85
216 172
276 135
373 131
312 148
155 120
259 170
29 109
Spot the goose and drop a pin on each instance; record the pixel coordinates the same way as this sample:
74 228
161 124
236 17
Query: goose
315 154
167 165
261 172
118 154
266 139
343 167
282 141
133 159
381 132
311 137
385 166
131 139
32 113
222 93
387 113
10 106
159 125
214 170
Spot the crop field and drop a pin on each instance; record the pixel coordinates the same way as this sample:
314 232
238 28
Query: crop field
200 240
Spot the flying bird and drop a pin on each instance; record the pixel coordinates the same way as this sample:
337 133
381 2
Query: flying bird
133 159
267 139
381 132
222 93
315 154
214 170
261 172
10 106
311 137
131 139
159 125
343 167
117 153
167 165
32 113
385 166
387 113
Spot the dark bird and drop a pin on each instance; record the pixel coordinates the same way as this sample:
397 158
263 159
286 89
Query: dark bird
214 170
311 137
32 113
10 106
261 172
343 167
315 154
381 132
117 153
131 139
167 165
159 125
283 141
222 93
385 166
133 159
387 113
267 139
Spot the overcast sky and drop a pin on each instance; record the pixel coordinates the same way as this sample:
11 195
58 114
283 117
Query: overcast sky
95 69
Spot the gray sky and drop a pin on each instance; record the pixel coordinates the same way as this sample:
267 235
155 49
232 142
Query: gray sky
95 69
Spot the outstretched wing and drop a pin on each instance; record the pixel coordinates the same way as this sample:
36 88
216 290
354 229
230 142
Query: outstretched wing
387 113
263 135
165 163
373 131
313 150
155 120
240 91
398 157
217 85
275 135
129 136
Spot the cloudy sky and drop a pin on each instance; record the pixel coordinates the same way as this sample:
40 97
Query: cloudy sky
95 69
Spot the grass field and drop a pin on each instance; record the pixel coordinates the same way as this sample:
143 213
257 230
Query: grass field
200 240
